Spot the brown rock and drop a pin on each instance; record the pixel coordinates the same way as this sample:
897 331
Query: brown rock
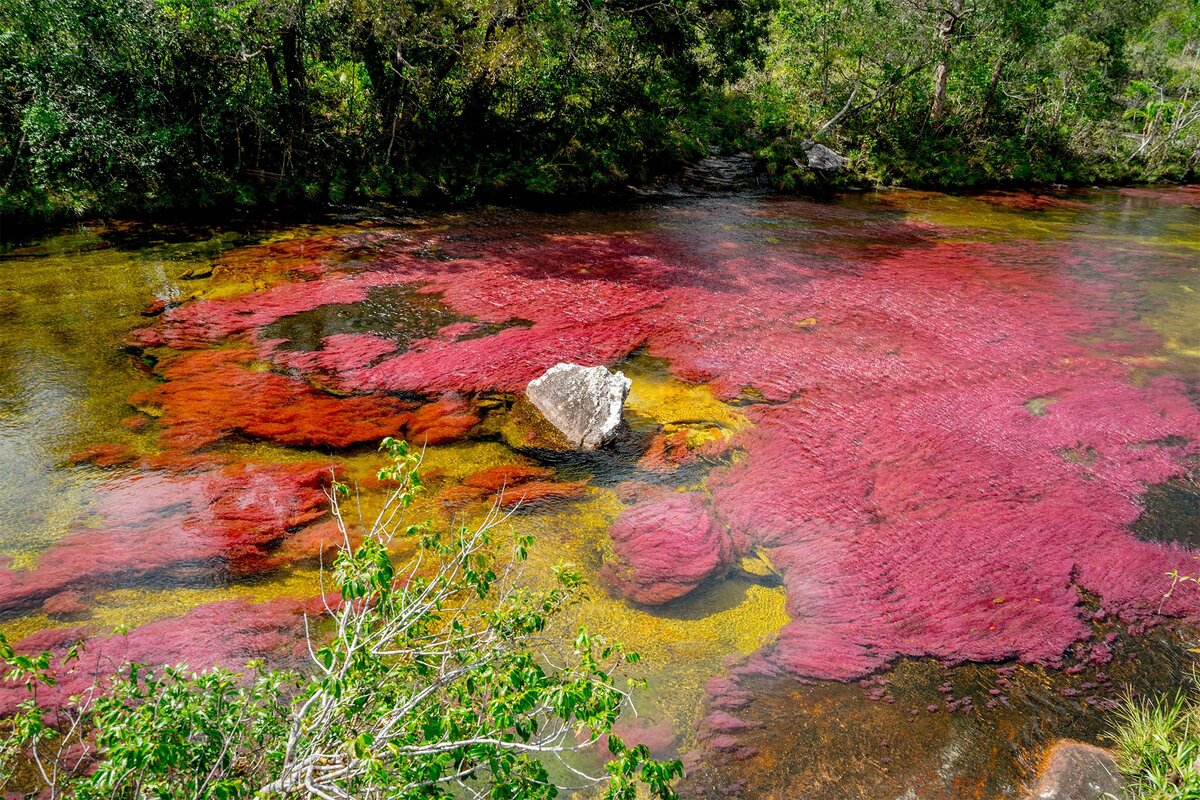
1077 771
526 429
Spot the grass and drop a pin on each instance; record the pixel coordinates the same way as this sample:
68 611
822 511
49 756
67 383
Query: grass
1158 747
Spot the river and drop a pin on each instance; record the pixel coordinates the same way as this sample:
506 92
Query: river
902 478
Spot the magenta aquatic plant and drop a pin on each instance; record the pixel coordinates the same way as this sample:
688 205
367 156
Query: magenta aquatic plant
949 442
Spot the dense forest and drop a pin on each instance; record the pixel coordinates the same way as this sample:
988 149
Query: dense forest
113 106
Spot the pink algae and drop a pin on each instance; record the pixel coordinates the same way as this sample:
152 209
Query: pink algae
949 442
227 633
198 324
665 549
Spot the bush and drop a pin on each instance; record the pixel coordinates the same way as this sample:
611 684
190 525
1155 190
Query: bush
434 680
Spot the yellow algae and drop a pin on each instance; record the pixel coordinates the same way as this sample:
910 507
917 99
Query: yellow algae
1039 405
978 215
457 461
658 395
69 301
757 564
1176 317
16 629
682 645
134 607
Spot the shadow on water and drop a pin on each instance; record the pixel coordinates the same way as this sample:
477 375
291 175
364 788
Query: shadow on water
1171 513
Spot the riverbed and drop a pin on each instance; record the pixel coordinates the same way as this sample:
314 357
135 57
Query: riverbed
901 480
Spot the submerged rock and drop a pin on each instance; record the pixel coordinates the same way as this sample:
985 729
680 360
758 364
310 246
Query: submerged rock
584 403
1077 771
665 549
523 428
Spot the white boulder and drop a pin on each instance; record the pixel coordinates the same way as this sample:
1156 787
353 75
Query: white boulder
583 403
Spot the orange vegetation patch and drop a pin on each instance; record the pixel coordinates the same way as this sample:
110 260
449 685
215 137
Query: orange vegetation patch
494 479
447 419
511 485
105 455
321 540
208 395
667 451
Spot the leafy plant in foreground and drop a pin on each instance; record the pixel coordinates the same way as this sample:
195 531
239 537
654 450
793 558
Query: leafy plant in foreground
437 680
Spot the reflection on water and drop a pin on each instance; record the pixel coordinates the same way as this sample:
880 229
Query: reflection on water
922 425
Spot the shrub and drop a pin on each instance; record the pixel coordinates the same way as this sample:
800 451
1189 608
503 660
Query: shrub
439 679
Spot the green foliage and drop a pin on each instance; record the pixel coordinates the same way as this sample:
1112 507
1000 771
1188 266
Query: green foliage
1035 90
1158 744
173 733
109 104
435 679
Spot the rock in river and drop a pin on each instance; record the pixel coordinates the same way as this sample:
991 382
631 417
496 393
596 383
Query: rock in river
1077 771
584 403
665 549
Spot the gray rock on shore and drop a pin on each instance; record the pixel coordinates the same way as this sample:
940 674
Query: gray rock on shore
584 403
821 158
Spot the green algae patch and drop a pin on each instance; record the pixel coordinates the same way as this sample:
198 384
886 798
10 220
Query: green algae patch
977 218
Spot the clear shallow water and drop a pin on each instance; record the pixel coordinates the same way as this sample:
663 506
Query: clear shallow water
918 429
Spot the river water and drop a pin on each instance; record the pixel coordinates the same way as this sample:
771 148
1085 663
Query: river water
902 476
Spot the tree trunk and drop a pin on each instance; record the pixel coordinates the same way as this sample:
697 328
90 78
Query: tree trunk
947 31
941 74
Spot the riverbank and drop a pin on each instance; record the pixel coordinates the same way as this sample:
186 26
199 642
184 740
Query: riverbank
749 176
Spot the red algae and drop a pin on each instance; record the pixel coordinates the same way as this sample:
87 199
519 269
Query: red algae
499 478
447 419
339 351
208 395
223 519
1175 196
510 486
105 455
1029 201
950 438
